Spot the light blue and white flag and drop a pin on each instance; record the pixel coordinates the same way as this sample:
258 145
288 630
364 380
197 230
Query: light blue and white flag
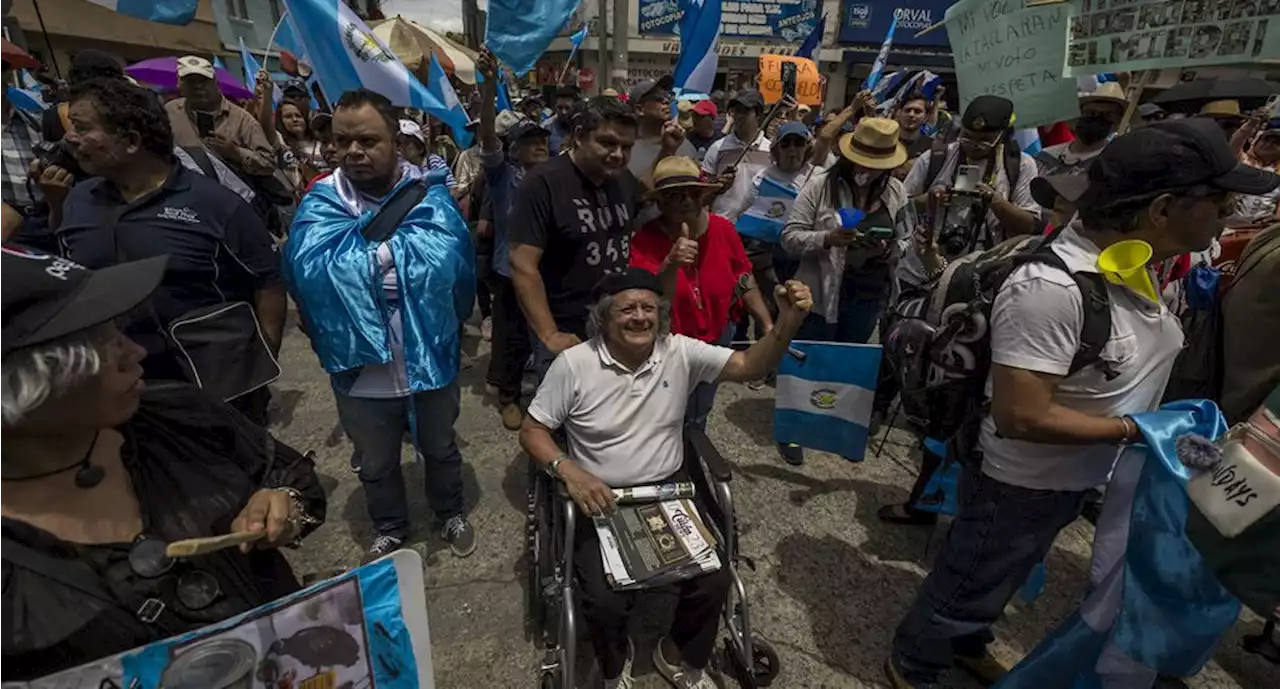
887 87
251 69
345 55
1029 140
177 12
765 218
824 400
520 31
27 100
877 68
219 64
699 37
287 37
454 114
576 41
814 39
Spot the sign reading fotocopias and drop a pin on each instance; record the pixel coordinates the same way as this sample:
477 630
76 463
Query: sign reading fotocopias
1126 35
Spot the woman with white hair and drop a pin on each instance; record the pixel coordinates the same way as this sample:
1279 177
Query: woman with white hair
101 474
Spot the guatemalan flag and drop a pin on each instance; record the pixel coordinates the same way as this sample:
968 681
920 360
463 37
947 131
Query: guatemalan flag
765 218
520 31
178 12
824 399
699 38
345 55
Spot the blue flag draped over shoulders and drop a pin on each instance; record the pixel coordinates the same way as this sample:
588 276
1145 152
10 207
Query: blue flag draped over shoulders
331 271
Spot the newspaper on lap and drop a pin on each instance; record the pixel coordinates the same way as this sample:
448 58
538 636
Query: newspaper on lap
651 544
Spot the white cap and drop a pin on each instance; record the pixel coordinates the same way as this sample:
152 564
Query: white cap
194 64
411 128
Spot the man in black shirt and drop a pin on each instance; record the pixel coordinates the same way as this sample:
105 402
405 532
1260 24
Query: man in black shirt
142 203
571 225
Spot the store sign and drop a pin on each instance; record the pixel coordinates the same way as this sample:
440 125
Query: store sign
782 20
867 21
737 49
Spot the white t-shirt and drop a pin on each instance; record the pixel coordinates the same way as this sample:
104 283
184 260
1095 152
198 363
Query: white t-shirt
1035 322
626 427
722 154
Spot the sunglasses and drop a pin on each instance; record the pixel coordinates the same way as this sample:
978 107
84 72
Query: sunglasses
976 143
682 193
194 588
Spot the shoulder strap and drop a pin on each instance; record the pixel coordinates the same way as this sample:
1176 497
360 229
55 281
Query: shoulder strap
202 160
1095 329
73 575
388 218
1012 163
937 155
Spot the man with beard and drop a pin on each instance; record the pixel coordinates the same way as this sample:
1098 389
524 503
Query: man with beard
384 314
571 224
1100 115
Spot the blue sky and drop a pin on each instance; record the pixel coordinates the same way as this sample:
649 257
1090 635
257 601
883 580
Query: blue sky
442 15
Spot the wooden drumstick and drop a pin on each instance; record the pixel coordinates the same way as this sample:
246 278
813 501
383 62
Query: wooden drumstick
192 547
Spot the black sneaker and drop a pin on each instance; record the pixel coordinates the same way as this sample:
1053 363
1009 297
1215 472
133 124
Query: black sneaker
354 463
459 535
383 544
791 454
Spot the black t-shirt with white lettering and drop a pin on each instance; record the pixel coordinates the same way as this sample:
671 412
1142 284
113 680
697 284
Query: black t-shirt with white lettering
583 229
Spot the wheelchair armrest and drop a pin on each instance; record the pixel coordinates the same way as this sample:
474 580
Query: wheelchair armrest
716 464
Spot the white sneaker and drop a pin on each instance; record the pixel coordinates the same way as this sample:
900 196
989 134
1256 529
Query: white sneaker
486 329
682 676
624 680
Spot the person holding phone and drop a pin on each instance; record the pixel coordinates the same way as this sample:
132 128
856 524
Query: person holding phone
202 117
842 228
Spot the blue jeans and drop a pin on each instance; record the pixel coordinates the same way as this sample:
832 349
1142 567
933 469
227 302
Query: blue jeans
376 427
856 322
1001 533
703 397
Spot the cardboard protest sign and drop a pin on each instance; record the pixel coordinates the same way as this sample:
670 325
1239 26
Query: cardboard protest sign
1003 49
363 629
1107 36
808 82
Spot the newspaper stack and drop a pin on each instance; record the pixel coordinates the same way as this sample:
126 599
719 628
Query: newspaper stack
655 543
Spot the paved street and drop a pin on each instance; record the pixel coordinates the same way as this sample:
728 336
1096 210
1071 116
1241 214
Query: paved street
830 581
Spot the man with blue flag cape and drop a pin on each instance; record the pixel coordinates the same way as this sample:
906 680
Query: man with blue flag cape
1059 414
383 271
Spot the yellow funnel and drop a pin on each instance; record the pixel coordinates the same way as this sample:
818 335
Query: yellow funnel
1125 263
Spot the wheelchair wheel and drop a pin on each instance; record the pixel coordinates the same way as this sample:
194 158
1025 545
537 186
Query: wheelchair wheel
764 662
538 542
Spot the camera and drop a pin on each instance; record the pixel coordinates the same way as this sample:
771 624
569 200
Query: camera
59 153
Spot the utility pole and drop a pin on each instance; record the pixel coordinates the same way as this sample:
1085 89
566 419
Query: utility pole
602 53
621 17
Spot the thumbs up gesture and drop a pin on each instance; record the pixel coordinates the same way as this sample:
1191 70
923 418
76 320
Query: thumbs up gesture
684 252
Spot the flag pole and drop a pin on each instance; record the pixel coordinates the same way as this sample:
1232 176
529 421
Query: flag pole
564 71
47 41
284 17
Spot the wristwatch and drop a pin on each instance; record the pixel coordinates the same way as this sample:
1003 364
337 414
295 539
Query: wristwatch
553 469
299 520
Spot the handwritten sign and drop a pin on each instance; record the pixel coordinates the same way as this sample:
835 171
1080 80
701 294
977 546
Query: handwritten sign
1002 49
1109 36
808 82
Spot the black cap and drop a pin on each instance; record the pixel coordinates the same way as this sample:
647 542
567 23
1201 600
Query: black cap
988 114
747 98
640 91
47 297
526 127
631 278
1163 157
296 86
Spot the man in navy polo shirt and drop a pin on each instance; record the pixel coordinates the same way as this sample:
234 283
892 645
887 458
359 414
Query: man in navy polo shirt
142 203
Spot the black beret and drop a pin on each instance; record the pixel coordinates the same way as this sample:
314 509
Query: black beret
630 278
988 114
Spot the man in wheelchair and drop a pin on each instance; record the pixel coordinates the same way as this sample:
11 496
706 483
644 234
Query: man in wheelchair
621 396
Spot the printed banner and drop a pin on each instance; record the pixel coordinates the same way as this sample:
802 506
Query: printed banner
364 629
1110 36
786 20
1004 50
867 21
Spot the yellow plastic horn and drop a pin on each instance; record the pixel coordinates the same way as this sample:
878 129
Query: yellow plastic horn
1125 263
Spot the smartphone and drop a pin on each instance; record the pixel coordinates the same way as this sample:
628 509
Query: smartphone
789 80
879 233
967 178
204 123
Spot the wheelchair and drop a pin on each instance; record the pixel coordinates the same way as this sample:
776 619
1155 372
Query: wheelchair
553 617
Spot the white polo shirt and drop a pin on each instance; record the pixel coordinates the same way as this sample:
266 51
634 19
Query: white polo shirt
626 427
1035 326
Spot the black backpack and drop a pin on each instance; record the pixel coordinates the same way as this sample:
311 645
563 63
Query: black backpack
950 131
939 348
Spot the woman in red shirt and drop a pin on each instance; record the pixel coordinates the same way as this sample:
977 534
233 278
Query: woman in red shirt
703 267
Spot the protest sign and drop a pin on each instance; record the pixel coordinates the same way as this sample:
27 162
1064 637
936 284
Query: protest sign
808 82
365 628
1003 49
1107 36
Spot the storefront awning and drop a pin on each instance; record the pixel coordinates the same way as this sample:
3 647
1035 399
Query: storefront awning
867 56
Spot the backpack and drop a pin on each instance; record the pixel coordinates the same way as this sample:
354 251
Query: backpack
1012 158
939 348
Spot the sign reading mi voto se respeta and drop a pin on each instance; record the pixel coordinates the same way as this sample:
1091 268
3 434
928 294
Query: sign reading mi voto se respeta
1126 35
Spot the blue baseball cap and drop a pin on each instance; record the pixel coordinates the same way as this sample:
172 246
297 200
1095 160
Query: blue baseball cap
794 129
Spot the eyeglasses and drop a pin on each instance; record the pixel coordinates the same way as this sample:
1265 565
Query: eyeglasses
195 589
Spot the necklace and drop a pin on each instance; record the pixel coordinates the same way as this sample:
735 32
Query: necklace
88 474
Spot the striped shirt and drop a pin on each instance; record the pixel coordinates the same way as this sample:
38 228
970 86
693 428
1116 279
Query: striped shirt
435 162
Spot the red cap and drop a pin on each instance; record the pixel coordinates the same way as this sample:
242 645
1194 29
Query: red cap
705 107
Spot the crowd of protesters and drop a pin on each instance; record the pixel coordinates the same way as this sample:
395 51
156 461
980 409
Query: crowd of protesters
255 202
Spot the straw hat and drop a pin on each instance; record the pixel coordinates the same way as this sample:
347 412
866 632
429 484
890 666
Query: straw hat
1107 92
874 144
674 172
1221 108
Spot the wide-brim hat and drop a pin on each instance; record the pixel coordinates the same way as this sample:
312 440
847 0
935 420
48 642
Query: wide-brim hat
675 172
1107 92
1229 108
874 144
